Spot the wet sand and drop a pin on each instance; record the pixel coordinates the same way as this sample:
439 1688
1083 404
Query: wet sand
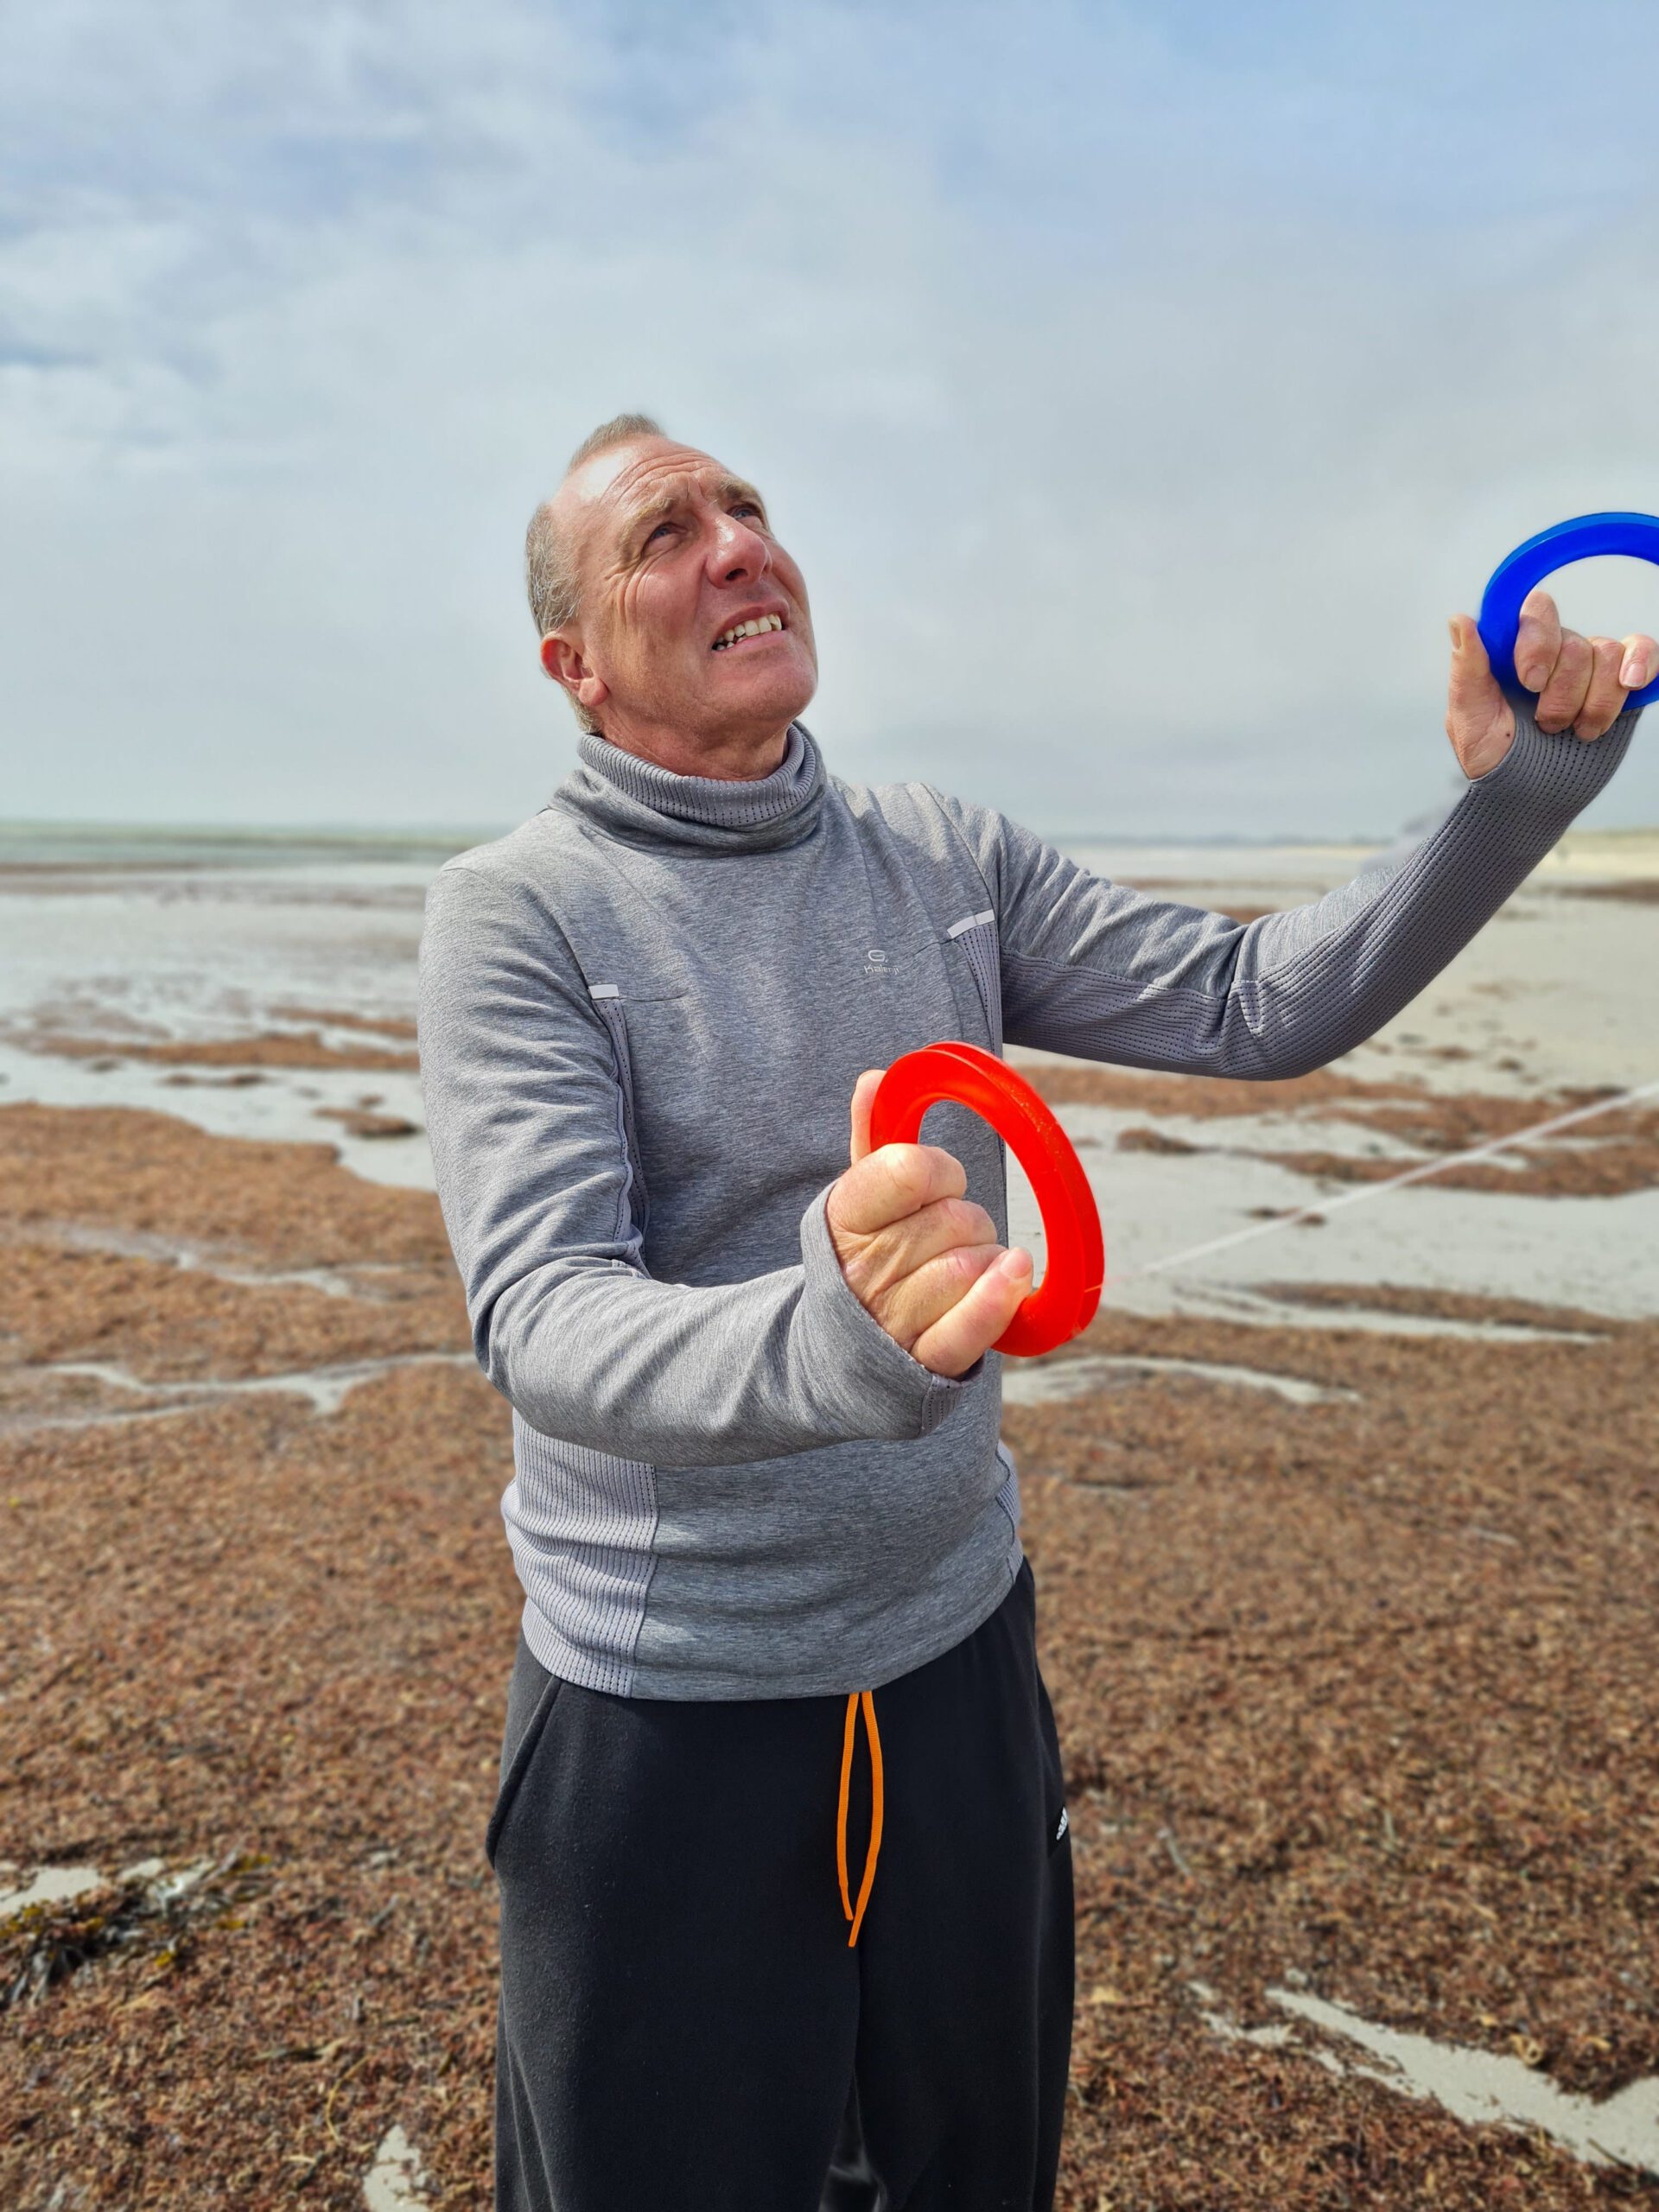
1345 1570
284 1049
1358 1693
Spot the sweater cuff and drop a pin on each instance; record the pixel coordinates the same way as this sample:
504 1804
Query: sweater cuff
878 1389
1547 778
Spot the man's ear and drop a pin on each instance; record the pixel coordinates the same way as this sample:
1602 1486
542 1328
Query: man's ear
563 661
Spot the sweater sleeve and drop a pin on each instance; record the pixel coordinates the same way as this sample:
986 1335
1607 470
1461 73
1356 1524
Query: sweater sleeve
1092 968
524 1113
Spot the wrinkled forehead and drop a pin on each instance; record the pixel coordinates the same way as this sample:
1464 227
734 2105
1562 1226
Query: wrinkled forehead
609 497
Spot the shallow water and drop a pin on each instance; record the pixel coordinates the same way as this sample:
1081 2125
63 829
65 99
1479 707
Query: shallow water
167 935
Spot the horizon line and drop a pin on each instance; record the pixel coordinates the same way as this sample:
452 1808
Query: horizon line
255 831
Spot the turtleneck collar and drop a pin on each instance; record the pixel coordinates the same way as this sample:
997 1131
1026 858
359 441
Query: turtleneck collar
646 804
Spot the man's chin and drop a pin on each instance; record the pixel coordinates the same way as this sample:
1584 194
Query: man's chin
773 695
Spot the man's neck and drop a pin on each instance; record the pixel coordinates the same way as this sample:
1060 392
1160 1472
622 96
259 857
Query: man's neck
740 758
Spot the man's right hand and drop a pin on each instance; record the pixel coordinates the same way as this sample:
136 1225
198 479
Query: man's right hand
921 1258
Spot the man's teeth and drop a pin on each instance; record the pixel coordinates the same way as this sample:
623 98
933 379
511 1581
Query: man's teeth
748 629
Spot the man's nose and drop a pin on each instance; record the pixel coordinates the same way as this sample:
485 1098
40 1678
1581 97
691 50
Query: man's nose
738 551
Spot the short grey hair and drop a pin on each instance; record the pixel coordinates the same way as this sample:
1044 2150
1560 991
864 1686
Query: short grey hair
549 576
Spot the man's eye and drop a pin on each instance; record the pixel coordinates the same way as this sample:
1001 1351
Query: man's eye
662 531
748 507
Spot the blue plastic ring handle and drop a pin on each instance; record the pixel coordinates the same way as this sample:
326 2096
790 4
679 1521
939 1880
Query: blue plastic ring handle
1581 539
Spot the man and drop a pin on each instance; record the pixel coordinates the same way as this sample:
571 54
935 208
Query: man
781 1839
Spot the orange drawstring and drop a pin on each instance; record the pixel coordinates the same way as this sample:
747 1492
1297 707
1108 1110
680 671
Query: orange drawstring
855 1913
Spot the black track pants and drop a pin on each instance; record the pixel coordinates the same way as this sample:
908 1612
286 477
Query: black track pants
683 2027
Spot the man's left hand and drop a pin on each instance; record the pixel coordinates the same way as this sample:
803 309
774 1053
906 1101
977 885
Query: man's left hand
1581 682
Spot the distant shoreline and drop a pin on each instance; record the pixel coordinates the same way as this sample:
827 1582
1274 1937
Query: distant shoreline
57 843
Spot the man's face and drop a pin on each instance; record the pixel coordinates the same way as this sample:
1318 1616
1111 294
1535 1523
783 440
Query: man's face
673 553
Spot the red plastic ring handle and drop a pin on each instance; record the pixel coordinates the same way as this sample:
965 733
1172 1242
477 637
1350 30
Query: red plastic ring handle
1065 1302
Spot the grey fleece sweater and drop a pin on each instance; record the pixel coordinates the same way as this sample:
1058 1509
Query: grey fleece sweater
642 1015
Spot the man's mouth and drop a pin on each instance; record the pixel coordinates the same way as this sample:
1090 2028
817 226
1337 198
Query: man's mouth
756 628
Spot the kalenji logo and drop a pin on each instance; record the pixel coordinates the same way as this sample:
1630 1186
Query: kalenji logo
1065 1824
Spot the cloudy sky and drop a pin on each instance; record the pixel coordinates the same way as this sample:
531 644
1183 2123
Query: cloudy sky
1139 385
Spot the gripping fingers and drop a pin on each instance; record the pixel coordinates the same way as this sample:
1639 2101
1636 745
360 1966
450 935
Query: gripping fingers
1605 694
917 1302
877 1266
1561 700
1537 640
973 1325
889 1184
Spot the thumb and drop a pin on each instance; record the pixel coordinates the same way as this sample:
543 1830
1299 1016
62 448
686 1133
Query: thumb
1473 689
1479 720
864 1092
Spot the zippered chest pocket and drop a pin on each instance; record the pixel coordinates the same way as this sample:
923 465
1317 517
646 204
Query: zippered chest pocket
974 940
634 1200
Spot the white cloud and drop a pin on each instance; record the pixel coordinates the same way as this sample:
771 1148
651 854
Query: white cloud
1131 473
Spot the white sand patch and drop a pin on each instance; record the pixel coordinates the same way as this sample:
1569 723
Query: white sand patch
46 1885
62 1885
1233 1304
179 1883
1047 1383
142 1870
1485 2088
339 1279
326 1388
396 2181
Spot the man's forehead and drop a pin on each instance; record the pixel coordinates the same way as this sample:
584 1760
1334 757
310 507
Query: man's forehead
617 483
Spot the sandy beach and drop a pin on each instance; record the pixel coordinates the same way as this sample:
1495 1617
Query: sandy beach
1343 1515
